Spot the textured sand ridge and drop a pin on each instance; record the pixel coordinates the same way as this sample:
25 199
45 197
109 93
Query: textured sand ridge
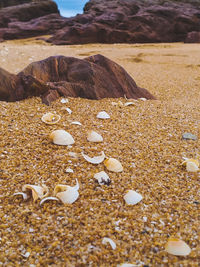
146 138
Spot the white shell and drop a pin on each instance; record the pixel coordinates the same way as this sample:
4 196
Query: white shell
24 195
102 178
67 194
69 110
129 103
76 123
113 165
177 247
64 100
192 165
50 118
103 115
94 160
106 240
93 136
132 197
69 170
61 137
47 199
36 191
142 98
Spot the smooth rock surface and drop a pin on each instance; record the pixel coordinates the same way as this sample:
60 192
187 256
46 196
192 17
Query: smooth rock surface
94 77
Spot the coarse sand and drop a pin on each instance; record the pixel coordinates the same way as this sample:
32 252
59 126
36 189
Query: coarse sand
145 137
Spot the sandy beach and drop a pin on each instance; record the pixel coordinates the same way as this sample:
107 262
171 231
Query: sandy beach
145 137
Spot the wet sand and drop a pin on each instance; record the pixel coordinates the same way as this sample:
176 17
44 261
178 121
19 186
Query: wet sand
145 137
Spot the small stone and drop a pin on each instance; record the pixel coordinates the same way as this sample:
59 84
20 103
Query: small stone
189 136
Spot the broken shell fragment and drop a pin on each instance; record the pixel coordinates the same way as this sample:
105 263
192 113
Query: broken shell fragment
94 160
192 165
47 199
36 191
129 103
69 170
50 118
103 115
132 197
67 194
64 100
61 137
177 247
59 188
69 110
76 123
93 136
24 195
106 240
113 165
102 178
142 99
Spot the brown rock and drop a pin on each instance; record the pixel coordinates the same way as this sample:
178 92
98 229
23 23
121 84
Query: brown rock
94 77
193 37
131 21
30 18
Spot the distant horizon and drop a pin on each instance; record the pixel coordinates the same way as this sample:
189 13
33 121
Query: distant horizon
70 8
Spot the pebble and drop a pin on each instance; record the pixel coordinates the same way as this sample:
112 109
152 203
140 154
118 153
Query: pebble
189 136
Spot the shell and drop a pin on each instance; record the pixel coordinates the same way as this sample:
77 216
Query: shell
47 199
67 194
192 165
60 188
61 137
94 160
129 103
142 99
132 197
93 136
64 100
106 240
177 247
24 195
69 110
103 115
50 118
76 123
113 165
69 170
102 178
36 191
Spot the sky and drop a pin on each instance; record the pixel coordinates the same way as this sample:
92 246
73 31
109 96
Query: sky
70 8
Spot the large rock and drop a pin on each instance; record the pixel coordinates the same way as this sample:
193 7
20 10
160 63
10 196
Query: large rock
94 77
28 19
131 21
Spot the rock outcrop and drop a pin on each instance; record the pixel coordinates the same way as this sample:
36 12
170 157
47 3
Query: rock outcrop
103 21
131 21
28 19
94 77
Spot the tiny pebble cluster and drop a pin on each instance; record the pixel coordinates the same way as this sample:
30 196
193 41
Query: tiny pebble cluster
100 228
